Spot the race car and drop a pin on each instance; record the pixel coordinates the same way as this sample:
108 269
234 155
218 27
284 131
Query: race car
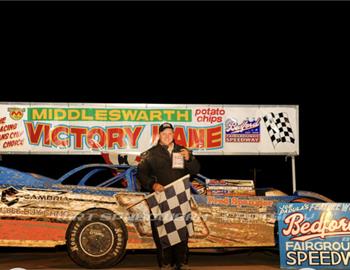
98 211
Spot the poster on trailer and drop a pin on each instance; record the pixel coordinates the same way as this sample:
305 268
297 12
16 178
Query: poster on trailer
81 128
314 235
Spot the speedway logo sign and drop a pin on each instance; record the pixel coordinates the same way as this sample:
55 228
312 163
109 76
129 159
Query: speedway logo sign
133 128
314 235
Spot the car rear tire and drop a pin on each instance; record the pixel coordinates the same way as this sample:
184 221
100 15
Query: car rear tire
97 238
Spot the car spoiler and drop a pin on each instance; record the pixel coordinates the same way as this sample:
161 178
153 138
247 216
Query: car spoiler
311 195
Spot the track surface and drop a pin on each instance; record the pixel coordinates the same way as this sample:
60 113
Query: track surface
255 259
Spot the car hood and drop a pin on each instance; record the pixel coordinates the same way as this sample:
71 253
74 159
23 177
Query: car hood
16 178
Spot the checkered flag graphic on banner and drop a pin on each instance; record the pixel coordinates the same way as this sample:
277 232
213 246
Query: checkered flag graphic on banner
172 212
279 128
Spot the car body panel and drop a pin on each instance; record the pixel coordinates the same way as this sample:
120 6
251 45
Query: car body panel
36 211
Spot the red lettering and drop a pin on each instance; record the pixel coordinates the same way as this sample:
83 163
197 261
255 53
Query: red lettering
56 136
16 113
155 134
47 137
180 136
209 115
132 135
214 137
14 143
34 133
78 136
196 138
15 134
318 229
8 127
4 136
115 136
100 142
215 200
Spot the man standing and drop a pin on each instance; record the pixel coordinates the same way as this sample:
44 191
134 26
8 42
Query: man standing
159 166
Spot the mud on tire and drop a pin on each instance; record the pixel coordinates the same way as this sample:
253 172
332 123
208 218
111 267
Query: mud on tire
96 241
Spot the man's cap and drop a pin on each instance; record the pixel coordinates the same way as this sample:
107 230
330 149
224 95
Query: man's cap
165 126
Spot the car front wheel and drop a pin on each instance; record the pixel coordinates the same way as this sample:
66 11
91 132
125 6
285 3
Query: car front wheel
97 239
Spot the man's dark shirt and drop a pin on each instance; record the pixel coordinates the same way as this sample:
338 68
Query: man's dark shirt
156 167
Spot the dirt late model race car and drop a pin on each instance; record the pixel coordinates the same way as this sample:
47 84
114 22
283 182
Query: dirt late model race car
92 211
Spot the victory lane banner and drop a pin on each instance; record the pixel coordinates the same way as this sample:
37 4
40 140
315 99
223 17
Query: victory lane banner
314 235
64 128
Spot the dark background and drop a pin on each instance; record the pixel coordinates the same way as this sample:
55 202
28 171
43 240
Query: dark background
232 53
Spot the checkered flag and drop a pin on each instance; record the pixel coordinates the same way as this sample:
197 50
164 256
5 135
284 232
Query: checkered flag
172 212
279 128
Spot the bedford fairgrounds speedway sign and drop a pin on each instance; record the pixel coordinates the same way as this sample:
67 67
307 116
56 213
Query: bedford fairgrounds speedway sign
63 128
314 235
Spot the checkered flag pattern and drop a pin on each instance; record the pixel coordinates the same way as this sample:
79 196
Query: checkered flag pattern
279 128
171 210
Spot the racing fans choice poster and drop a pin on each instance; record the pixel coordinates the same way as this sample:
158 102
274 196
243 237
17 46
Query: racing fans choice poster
64 128
314 235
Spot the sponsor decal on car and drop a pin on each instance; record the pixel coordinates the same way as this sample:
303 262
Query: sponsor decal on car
222 200
9 196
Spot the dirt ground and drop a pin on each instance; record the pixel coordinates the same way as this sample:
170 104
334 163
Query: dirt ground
255 259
